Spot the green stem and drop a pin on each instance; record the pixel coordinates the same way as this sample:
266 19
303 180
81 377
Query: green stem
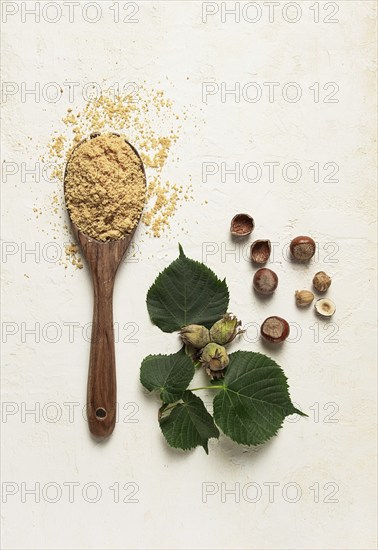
207 388
171 406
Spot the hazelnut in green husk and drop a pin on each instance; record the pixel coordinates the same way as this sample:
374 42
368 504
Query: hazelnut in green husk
225 330
195 336
215 359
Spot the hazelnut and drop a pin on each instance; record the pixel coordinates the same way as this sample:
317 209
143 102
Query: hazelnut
242 225
265 281
215 359
325 307
260 251
303 298
321 281
225 330
302 248
275 329
196 336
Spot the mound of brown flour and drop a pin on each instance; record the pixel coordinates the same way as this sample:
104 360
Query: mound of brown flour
105 188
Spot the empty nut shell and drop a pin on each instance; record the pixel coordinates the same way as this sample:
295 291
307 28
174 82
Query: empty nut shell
265 281
321 281
302 248
303 298
260 251
325 307
275 329
242 225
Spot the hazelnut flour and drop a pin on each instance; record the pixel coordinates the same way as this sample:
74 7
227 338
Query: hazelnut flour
149 122
105 187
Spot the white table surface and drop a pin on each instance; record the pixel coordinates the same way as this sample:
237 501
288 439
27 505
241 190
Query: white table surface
311 487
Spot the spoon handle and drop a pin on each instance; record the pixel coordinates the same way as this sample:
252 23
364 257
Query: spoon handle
102 386
103 259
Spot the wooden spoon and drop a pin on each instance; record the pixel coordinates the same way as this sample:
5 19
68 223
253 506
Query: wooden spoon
103 259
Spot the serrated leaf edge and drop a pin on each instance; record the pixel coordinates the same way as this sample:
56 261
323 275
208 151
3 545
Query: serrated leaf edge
184 406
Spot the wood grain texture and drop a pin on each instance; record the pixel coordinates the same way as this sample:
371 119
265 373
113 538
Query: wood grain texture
103 260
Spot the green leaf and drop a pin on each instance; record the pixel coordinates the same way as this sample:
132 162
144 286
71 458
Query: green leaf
255 399
186 292
188 424
171 374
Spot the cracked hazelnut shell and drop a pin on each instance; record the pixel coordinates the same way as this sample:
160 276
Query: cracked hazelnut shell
260 251
325 307
242 225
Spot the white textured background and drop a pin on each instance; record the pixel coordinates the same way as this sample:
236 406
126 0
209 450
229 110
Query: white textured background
327 459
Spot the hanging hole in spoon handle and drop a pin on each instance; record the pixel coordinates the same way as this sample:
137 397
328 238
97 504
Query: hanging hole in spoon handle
101 414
